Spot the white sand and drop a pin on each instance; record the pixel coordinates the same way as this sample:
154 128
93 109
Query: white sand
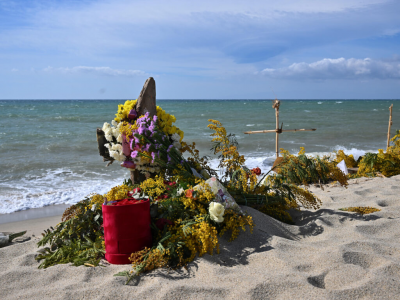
331 254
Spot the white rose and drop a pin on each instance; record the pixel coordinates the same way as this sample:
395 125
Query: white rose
180 192
216 211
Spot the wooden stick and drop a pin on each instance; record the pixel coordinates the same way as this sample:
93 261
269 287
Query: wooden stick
283 130
390 125
277 131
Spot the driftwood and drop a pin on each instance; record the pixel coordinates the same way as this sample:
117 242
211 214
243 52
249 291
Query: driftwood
146 102
275 104
103 151
279 130
390 125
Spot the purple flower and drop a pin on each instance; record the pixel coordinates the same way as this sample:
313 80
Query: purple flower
132 114
169 148
153 155
147 147
155 118
134 154
128 164
169 158
141 130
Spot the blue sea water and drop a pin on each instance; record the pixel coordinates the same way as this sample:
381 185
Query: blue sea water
49 155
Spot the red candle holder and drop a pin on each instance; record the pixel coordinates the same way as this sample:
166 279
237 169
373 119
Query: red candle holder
126 230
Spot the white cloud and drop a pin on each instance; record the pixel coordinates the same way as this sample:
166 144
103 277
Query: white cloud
339 68
107 71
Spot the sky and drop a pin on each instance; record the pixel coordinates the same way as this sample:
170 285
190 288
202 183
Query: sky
226 49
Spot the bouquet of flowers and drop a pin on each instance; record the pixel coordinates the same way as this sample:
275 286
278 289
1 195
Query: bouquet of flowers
132 139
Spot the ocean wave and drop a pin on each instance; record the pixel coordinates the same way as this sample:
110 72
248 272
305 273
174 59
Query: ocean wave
66 186
59 186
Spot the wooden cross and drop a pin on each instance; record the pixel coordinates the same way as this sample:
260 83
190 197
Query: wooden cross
275 104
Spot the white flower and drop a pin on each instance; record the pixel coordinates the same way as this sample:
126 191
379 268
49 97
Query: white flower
115 132
113 154
106 126
113 123
119 138
109 137
216 211
176 137
177 145
118 147
107 130
180 191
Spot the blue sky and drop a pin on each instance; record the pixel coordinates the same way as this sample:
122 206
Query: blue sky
302 49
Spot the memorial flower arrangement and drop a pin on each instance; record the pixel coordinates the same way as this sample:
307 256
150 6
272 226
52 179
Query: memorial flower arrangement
190 206
127 137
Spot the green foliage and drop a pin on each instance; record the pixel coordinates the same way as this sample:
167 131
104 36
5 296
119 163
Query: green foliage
304 170
77 240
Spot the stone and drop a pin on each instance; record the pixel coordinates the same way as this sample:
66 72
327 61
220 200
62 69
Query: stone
147 98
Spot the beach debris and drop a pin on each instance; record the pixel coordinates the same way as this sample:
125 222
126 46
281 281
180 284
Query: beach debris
362 210
342 166
6 239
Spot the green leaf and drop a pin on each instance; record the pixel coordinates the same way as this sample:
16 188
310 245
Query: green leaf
123 273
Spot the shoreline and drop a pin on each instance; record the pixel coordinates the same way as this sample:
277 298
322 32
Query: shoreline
33 213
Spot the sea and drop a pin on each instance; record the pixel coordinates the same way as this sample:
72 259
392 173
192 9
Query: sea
49 154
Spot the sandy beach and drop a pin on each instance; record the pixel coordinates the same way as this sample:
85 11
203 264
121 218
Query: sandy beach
328 254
